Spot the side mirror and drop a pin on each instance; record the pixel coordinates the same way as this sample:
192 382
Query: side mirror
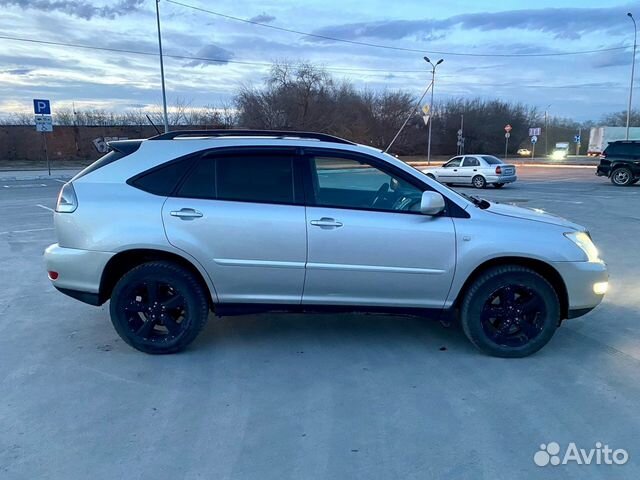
432 203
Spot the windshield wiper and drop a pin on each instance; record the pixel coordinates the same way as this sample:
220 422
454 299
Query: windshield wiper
478 202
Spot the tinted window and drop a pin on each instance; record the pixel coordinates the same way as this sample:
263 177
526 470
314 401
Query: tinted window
163 180
491 160
348 183
200 183
622 149
471 162
264 178
454 162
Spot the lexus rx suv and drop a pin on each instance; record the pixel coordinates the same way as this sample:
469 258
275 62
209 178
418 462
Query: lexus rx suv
620 161
237 221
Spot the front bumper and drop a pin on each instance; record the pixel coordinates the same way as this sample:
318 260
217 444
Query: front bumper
580 278
77 270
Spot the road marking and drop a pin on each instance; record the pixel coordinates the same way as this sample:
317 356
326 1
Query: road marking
27 231
28 185
58 180
46 208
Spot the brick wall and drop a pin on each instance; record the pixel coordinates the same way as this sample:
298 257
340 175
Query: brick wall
18 142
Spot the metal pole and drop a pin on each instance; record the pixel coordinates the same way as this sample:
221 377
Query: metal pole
633 67
533 149
46 152
461 136
433 79
164 92
506 145
578 143
546 133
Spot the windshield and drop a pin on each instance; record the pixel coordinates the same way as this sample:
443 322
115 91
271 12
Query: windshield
491 160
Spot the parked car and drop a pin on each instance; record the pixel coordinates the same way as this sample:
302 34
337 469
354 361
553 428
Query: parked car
620 161
524 152
476 170
239 222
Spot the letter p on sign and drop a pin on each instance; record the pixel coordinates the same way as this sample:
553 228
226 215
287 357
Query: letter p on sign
41 107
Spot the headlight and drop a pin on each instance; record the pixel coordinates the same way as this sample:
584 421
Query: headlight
584 242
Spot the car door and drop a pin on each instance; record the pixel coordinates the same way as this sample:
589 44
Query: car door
468 169
241 215
448 173
367 243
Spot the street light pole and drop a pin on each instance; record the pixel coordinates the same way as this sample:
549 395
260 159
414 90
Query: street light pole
164 91
633 67
433 80
546 130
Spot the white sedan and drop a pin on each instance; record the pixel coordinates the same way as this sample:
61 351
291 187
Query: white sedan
476 170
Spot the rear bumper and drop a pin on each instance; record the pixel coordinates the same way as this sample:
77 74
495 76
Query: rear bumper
581 279
603 171
501 178
77 270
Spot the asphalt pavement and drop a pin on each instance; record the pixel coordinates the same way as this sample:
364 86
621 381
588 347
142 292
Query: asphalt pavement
315 396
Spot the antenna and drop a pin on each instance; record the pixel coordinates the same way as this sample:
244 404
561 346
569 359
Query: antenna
413 112
154 125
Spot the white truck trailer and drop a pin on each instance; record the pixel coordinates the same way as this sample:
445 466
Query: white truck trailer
599 137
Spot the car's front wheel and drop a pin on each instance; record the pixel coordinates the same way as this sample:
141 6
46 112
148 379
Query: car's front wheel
159 307
622 177
510 311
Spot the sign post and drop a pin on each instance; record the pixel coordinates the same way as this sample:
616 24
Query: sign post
534 140
577 140
507 129
44 123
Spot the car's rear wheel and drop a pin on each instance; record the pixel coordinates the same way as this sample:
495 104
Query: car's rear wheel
498 185
510 311
159 307
622 177
479 181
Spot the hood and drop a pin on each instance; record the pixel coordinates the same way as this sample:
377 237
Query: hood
533 214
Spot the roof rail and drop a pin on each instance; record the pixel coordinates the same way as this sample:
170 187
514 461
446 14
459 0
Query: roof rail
251 133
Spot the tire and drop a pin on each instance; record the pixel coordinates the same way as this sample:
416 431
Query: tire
498 185
159 307
622 177
531 317
431 176
479 181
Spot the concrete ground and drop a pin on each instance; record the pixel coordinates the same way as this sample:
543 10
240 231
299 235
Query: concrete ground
315 397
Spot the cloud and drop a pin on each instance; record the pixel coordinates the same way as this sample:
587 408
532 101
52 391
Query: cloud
19 71
212 52
611 59
562 23
263 18
80 8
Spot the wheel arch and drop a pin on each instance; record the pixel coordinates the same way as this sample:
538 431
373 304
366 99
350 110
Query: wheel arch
125 260
547 271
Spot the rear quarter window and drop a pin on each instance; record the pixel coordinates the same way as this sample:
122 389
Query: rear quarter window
164 179
622 149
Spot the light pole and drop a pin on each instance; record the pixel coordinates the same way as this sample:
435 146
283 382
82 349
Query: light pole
433 80
164 92
546 130
633 67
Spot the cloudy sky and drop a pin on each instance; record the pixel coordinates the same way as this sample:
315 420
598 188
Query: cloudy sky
581 86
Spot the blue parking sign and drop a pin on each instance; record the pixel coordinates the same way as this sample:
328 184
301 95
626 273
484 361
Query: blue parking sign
41 107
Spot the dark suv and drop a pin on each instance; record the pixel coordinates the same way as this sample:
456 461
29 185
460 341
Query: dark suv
620 161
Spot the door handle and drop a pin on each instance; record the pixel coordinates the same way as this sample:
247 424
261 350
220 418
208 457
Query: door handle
326 222
186 213
455 169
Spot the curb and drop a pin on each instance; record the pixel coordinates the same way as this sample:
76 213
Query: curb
34 177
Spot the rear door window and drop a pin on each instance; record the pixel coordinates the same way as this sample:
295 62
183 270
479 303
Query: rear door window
623 149
251 177
471 162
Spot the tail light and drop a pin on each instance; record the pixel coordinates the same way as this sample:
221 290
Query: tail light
603 155
67 200
498 170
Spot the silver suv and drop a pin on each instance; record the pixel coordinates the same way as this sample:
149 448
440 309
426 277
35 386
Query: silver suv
239 221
